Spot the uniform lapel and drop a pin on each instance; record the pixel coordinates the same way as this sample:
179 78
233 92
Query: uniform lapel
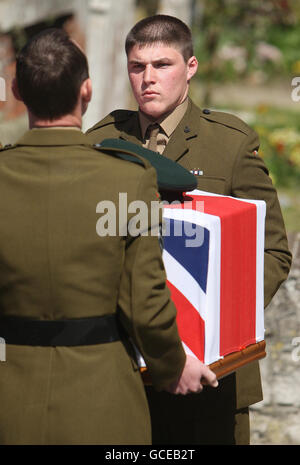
178 145
131 130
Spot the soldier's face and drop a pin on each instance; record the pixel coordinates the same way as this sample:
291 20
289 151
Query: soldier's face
159 78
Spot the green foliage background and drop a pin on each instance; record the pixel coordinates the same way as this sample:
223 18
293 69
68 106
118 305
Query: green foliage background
249 41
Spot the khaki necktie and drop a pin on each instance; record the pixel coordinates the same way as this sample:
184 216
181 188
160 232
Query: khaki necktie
153 131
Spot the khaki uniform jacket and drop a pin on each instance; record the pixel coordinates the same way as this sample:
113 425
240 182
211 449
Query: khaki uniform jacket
54 265
223 148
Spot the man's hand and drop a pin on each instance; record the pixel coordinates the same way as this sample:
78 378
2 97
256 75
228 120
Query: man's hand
193 377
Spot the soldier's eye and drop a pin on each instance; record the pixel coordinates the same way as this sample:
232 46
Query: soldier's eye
136 67
162 65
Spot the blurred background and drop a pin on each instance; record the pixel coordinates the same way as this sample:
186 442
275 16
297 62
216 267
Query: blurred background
249 65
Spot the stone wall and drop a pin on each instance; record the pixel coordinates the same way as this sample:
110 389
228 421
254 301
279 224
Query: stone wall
276 420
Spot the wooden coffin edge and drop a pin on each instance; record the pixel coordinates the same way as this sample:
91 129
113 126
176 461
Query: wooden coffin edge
232 362
229 363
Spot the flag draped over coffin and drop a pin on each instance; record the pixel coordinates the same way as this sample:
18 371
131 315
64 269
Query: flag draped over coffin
214 259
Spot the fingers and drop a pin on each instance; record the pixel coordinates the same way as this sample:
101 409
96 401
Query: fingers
209 378
186 391
193 377
206 378
183 390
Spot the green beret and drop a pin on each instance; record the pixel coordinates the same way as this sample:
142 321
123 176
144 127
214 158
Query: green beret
170 175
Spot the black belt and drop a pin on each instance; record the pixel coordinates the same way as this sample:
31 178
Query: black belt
74 332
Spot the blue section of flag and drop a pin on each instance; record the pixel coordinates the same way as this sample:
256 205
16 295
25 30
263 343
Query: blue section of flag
193 259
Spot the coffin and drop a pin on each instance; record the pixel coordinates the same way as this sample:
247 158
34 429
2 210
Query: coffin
213 252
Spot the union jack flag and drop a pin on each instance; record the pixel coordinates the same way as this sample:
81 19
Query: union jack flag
213 252
215 272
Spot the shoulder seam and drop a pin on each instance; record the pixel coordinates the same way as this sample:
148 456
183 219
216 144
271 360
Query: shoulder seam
239 125
111 118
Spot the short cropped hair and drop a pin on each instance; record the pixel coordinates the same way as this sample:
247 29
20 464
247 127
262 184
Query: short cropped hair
164 29
49 72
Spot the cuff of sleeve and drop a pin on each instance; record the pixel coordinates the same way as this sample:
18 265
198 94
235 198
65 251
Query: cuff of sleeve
168 369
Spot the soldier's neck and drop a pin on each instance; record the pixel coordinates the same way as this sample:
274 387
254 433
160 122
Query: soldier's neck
72 120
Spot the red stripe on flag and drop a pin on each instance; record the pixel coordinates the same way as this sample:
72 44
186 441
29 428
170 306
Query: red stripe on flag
189 323
238 270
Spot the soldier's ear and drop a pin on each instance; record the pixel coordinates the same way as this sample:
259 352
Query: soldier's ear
85 94
86 90
192 66
15 90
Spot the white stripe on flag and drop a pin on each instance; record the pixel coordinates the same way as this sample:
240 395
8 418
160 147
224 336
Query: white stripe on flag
211 310
185 283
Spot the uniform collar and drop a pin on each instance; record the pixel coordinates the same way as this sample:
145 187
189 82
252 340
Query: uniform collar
186 130
168 123
54 136
178 145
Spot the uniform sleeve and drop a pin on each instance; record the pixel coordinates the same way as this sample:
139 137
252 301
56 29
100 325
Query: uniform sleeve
251 180
146 311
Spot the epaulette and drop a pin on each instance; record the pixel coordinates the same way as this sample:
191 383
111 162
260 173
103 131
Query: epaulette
170 175
116 116
226 119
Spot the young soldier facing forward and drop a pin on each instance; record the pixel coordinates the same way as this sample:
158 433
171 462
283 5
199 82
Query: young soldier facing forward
222 150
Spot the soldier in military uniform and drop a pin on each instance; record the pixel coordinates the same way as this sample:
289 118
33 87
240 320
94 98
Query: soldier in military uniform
222 151
70 297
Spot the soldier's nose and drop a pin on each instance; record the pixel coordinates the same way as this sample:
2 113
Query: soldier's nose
149 75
